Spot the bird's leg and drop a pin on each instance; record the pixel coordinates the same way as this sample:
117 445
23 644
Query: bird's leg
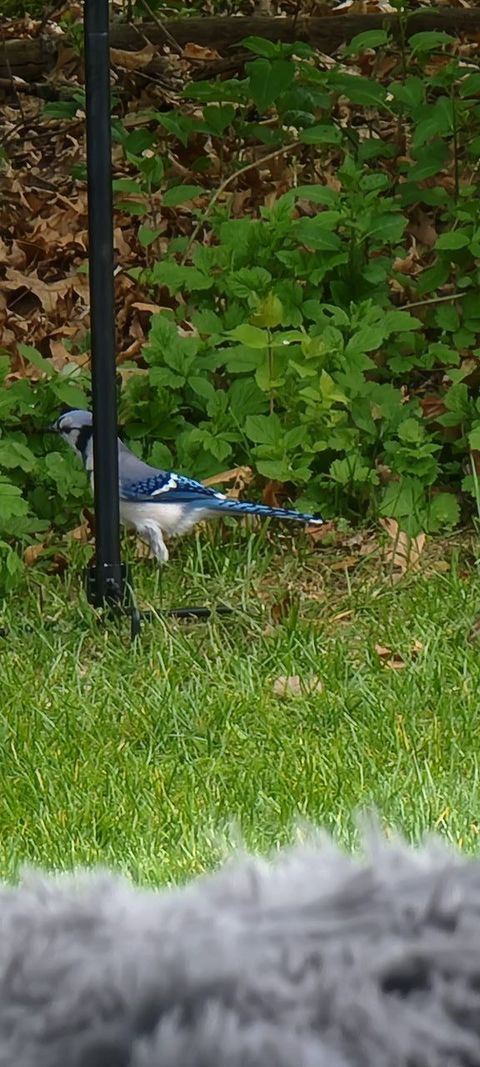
151 533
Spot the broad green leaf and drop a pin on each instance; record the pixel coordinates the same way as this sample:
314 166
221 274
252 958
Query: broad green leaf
374 183
176 277
69 393
61 109
316 194
245 398
268 79
429 161
38 361
299 120
474 438
132 207
350 470
127 185
161 456
447 318
260 46
411 431
221 91
240 359
452 241
316 232
218 117
264 429
250 336
296 436
146 236
12 504
359 90
11 568
138 141
270 374
387 228
277 469
372 148
248 280
282 338
180 125
429 40
366 339
411 92
444 511
180 194
321 135
15 455
269 312
433 277
470 86
202 387
368 39
207 322
404 498
401 322
219 447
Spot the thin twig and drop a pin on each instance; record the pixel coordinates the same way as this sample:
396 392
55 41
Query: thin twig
432 300
221 188
295 18
158 22
12 82
455 144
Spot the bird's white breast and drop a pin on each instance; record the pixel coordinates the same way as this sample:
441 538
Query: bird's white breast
173 519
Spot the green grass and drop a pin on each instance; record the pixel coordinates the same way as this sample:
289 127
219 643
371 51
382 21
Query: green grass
152 758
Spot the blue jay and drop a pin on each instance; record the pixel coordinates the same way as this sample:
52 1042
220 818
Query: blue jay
155 502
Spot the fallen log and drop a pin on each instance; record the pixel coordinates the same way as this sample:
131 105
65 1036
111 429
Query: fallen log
31 58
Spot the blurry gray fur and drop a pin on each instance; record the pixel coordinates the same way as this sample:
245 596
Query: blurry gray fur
315 959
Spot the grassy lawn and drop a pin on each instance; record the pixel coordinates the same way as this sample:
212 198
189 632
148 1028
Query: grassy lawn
151 758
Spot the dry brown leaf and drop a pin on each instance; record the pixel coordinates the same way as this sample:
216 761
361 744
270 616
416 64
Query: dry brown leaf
141 305
48 293
422 227
408 263
321 533
59 355
385 474
120 244
282 608
130 352
197 51
31 554
440 566
344 564
394 661
80 533
274 494
236 474
133 60
286 686
405 551
432 406
341 616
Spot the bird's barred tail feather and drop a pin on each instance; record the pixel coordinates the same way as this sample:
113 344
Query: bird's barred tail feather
244 507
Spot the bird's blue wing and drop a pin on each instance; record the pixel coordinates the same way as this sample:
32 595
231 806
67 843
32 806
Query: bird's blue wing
167 488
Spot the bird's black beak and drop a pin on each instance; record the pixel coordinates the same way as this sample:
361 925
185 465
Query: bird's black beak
52 428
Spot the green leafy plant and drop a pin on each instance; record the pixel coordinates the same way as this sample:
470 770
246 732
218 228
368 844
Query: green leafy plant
285 342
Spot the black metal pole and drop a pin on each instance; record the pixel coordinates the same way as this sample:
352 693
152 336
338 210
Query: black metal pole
105 581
